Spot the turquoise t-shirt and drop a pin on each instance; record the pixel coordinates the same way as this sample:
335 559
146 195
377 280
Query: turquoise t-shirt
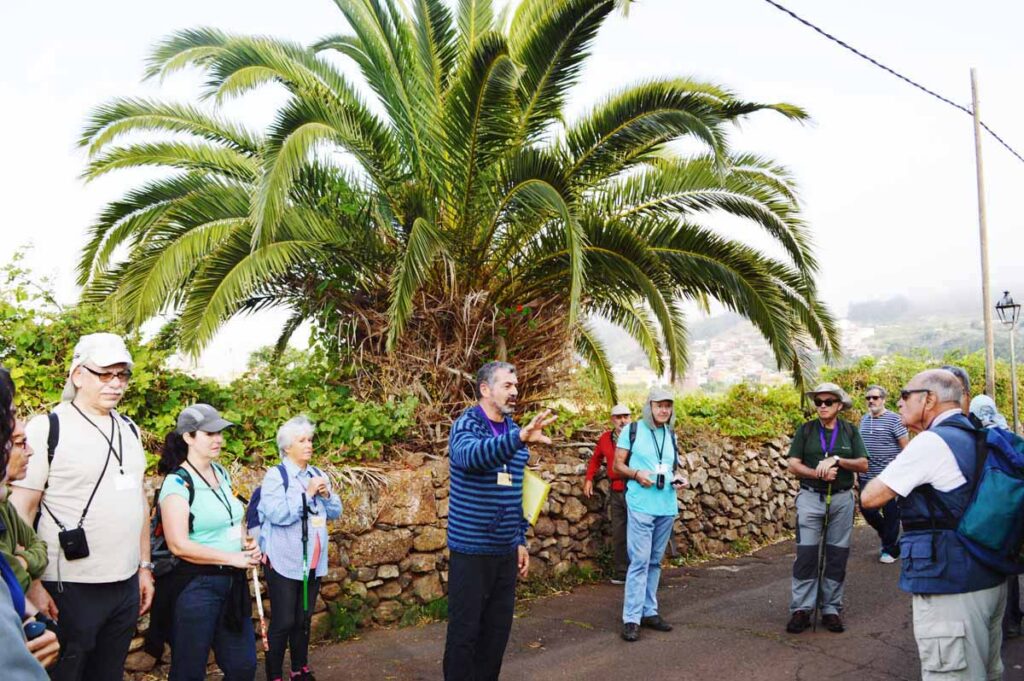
646 447
214 525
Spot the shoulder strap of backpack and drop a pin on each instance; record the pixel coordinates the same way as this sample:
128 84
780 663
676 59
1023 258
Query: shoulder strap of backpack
53 437
284 475
189 485
130 424
632 439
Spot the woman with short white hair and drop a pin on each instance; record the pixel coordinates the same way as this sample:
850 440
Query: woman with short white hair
296 501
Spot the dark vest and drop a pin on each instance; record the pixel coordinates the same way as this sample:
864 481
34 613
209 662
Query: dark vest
934 560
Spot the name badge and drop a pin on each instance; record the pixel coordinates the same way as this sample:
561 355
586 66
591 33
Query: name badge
234 532
661 469
318 521
125 482
504 479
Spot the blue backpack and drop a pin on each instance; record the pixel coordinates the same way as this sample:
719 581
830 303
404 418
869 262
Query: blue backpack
992 526
252 513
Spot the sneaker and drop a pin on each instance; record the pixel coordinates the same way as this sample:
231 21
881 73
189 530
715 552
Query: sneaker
800 621
655 622
884 557
630 631
618 580
833 623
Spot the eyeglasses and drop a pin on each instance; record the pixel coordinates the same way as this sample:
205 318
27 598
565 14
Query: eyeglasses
872 398
825 403
124 375
904 394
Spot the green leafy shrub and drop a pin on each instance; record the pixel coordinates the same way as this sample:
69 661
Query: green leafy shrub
346 616
38 337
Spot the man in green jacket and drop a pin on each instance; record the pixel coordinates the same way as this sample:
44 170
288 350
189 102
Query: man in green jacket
20 545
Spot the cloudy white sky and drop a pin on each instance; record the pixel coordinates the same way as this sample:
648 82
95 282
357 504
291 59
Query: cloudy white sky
887 173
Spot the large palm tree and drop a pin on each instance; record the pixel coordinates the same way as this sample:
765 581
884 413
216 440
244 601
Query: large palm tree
463 210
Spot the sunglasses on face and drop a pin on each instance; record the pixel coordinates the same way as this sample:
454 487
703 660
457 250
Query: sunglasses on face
872 398
828 402
107 376
905 394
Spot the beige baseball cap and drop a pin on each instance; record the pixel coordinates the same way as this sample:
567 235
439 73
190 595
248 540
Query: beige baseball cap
621 410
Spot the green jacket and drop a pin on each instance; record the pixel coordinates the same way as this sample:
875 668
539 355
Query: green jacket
21 534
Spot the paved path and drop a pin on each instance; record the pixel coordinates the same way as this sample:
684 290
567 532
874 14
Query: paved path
729 615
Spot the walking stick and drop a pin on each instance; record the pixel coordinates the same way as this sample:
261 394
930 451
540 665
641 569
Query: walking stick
821 559
259 609
305 565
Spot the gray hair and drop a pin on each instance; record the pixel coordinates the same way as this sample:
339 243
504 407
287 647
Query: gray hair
485 375
291 429
880 389
944 383
961 374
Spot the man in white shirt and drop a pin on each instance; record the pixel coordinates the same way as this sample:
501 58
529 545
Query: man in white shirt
957 601
90 508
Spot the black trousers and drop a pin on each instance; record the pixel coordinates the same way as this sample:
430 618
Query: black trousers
481 601
287 627
96 625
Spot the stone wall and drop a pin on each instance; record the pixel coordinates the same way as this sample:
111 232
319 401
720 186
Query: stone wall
388 549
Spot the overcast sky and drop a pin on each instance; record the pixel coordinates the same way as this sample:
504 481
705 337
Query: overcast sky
886 172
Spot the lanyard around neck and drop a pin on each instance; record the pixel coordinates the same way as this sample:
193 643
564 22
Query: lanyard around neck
119 455
223 500
832 442
495 430
664 437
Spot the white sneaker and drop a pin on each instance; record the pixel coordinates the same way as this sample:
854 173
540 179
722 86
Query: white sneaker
884 557
618 581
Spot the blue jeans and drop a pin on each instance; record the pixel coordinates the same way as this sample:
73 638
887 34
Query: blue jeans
199 627
646 539
886 522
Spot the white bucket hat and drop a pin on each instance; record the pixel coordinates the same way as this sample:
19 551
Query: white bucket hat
99 349
834 389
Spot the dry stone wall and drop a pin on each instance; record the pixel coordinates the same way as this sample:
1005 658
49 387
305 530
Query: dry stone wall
388 549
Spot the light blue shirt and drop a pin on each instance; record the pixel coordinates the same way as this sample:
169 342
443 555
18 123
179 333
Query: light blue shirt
648 444
281 520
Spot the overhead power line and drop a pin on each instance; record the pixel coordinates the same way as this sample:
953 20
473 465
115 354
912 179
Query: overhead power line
909 81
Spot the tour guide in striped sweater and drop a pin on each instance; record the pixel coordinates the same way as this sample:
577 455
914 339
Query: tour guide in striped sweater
486 527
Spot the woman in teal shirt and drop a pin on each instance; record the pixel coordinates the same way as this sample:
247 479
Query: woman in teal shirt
207 591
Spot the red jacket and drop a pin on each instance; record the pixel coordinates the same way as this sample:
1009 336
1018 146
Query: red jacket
604 452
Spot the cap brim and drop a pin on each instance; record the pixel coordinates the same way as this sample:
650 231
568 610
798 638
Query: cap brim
214 426
108 359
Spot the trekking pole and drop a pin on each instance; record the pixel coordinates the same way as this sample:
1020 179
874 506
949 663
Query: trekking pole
305 565
821 559
259 609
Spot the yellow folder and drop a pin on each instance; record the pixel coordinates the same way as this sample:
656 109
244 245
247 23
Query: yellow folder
535 493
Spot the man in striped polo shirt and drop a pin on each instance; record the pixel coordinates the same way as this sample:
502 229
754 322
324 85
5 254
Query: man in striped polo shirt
486 527
885 436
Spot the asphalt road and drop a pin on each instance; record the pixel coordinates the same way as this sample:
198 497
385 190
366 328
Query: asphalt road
729 618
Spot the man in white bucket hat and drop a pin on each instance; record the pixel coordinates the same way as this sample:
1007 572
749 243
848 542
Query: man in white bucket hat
87 500
824 455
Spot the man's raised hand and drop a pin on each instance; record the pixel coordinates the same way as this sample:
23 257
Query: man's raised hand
533 431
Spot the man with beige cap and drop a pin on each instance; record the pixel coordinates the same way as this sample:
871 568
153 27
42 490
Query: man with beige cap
604 453
645 455
87 499
824 455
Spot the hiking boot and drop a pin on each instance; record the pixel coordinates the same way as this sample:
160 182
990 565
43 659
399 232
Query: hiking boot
833 623
884 557
655 622
630 631
800 620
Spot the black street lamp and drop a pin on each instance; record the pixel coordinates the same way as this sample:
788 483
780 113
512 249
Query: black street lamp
1009 312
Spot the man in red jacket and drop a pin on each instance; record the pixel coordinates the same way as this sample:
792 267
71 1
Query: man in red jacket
604 453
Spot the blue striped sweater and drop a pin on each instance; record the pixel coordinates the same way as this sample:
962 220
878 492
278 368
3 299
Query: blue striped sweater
484 517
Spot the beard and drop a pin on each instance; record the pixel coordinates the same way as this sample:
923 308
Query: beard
508 408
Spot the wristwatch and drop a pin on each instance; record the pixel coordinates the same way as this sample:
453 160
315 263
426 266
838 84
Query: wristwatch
146 565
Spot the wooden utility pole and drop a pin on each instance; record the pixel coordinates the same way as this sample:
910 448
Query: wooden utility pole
986 296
